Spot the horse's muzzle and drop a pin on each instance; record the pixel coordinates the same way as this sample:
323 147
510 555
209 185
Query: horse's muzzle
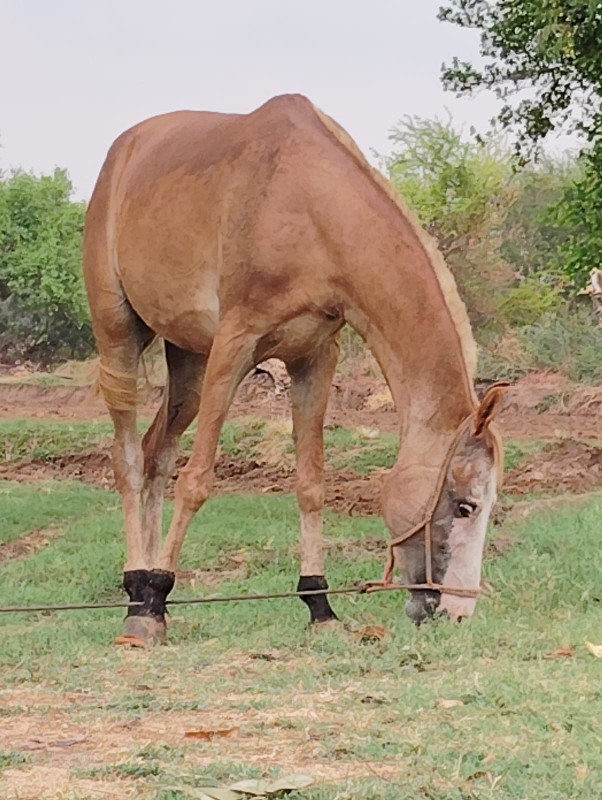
422 605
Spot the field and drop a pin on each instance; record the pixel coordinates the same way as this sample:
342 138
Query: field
371 707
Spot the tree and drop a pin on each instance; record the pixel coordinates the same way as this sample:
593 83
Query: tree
44 309
552 48
461 191
534 236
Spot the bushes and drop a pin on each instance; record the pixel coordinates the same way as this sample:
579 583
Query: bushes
529 301
43 308
565 340
461 191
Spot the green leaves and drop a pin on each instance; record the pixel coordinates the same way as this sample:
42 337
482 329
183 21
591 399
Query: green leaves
41 284
528 43
461 191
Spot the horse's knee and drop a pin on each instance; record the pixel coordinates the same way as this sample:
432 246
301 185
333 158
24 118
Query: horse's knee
310 496
193 488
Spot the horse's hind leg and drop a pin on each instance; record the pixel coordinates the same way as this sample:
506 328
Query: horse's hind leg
118 376
121 337
143 580
310 385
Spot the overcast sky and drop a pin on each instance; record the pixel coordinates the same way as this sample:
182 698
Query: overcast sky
75 73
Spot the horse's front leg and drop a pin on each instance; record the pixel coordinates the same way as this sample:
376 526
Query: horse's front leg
230 359
310 385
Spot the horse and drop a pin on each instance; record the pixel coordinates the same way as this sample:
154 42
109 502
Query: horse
242 237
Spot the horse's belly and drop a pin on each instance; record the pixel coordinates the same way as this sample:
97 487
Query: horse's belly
183 311
298 337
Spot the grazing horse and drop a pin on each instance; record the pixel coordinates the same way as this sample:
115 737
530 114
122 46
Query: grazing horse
238 238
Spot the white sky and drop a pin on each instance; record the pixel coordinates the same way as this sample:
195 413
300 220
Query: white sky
76 73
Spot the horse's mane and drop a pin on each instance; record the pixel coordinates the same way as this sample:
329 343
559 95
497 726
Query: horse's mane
455 306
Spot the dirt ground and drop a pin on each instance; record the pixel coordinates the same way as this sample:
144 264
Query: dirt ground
540 407
556 420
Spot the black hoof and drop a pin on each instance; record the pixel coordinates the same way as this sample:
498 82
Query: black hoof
149 587
318 604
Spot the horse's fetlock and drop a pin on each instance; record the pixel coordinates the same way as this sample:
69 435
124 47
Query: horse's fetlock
150 588
319 607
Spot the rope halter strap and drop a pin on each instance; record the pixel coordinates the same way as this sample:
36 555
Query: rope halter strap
426 524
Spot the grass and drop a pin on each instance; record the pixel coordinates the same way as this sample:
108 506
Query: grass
29 439
365 719
361 450
55 504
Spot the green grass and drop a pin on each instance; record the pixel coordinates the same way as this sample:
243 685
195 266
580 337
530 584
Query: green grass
346 448
320 701
517 453
30 439
49 505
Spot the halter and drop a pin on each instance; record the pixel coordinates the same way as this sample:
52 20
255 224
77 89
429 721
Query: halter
428 541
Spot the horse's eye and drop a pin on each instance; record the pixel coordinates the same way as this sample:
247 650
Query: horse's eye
465 508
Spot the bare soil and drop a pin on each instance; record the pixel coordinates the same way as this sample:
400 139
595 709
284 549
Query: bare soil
346 491
541 406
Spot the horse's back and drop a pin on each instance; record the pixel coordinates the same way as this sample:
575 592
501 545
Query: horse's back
173 207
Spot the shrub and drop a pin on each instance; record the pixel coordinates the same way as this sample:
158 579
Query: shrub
44 311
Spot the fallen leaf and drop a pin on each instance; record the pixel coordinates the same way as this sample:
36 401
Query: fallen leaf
289 783
449 703
263 788
219 794
371 633
203 792
256 788
595 649
566 651
222 733
132 641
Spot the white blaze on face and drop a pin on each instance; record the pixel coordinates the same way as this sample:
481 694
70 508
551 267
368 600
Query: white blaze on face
466 544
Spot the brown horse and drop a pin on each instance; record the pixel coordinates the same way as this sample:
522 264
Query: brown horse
237 238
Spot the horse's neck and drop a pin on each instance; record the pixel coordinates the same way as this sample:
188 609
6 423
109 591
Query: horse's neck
397 305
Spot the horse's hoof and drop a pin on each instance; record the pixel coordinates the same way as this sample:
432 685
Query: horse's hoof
321 623
142 631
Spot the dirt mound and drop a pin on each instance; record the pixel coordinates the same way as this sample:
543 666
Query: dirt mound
565 466
346 491
28 544
586 400
528 393
541 405
93 467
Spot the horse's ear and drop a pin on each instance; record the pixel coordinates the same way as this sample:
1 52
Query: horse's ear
489 405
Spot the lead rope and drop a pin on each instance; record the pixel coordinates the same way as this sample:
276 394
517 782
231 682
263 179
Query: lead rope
385 585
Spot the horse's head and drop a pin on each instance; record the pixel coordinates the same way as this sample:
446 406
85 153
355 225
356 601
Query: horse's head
458 523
